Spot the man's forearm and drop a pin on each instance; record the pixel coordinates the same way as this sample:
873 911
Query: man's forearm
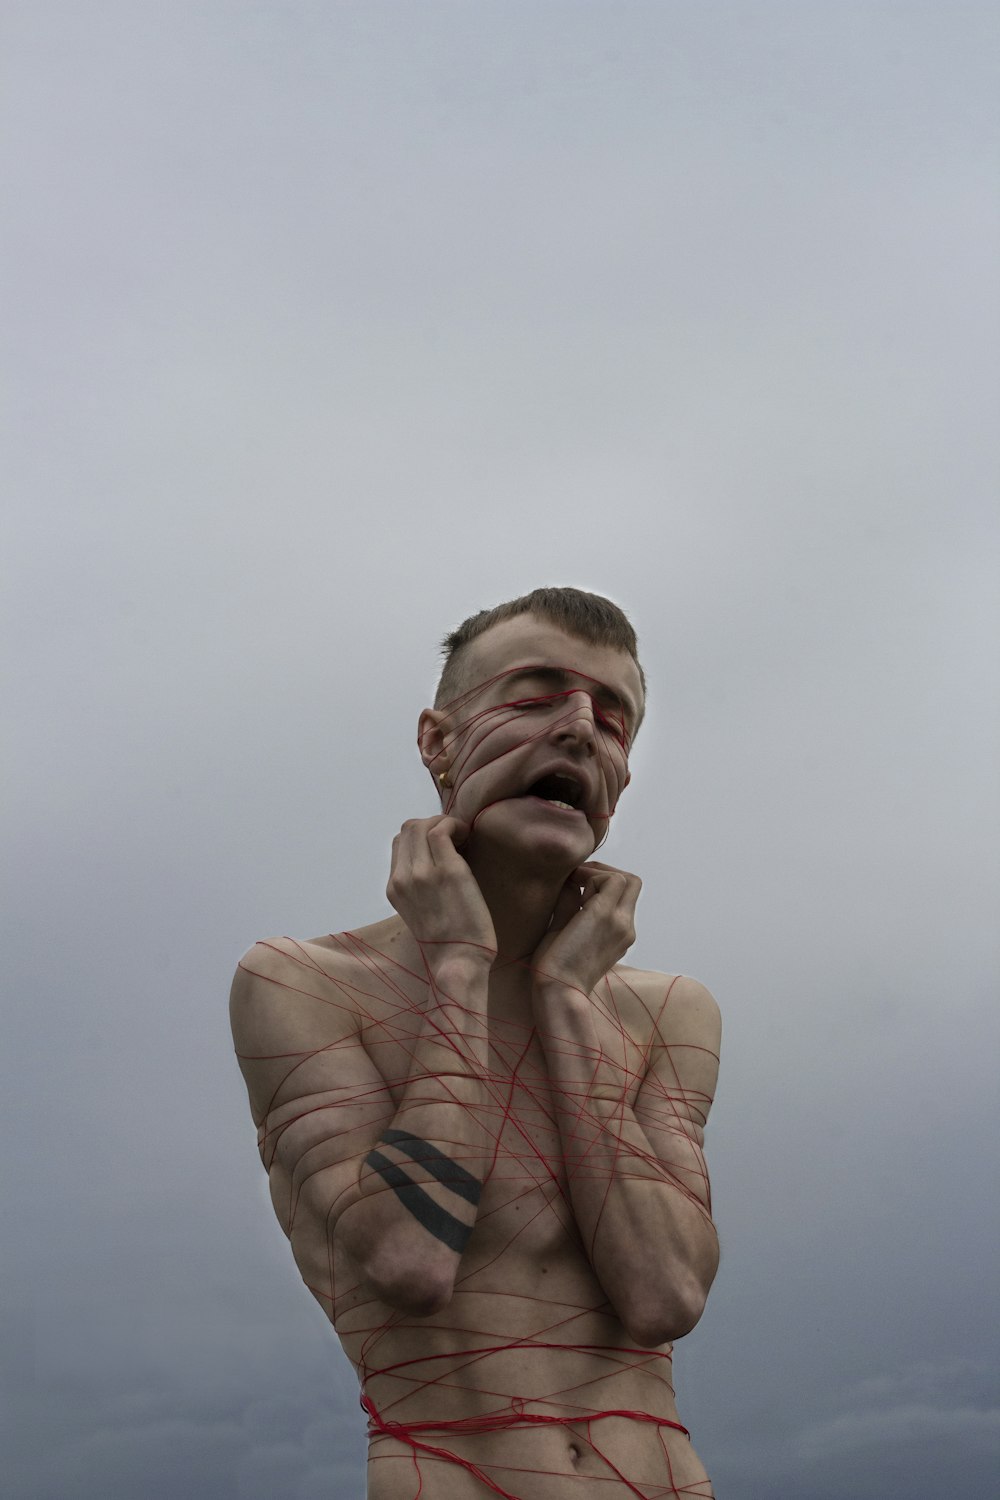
645 1223
418 1189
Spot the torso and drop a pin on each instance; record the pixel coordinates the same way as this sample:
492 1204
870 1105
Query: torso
529 1331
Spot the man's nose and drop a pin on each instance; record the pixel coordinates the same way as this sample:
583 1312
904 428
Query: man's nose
576 723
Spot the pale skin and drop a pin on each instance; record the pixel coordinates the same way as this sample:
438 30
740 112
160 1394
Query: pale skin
552 1236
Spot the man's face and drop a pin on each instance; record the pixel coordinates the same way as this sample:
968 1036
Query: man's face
537 748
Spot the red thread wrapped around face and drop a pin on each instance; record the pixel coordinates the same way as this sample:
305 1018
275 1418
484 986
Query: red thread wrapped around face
490 737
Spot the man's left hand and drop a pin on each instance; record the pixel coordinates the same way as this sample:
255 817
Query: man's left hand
592 928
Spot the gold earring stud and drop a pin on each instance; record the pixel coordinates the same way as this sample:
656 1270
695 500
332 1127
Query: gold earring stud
444 780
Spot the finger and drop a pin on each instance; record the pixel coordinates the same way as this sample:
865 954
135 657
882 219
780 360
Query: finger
445 838
567 904
401 861
611 890
600 872
416 858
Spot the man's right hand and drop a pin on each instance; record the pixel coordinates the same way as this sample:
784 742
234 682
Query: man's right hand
437 895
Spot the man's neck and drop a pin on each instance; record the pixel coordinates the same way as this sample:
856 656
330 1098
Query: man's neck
521 901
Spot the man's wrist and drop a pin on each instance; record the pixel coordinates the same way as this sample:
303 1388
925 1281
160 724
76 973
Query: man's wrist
460 973
556 991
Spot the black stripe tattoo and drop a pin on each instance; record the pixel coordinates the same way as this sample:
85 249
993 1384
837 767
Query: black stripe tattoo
441 1167
436 1220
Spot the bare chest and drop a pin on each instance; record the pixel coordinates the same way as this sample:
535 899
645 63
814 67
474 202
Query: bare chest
525 1216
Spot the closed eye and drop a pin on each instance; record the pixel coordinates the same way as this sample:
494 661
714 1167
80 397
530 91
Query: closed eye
611 726
535 702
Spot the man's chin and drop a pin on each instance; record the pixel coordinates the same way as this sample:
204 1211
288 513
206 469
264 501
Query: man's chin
534 836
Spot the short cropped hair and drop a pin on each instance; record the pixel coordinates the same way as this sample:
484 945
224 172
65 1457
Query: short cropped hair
590 617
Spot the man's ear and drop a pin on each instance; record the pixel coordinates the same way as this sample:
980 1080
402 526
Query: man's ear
430 739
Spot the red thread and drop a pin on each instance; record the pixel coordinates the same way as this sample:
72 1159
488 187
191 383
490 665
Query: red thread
406 1432
632 1108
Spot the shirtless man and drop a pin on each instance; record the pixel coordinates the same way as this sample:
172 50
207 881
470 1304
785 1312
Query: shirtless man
483 1131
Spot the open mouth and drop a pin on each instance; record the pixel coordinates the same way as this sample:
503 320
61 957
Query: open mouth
559 791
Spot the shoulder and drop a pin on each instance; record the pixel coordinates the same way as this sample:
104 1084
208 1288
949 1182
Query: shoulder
673 1004
280 981
267 959
289 1000
285 973
683 1042
271 963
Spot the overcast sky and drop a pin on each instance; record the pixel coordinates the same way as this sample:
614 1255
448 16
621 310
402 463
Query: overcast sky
331 323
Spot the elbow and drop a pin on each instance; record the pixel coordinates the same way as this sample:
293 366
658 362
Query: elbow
418 1297
413 1286
392 1265
654 1322
658 1327
688 1313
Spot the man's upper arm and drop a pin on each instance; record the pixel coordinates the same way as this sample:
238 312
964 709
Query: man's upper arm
677 1090
318 1100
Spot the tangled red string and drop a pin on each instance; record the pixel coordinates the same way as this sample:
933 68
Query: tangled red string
516 1417
510 1387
